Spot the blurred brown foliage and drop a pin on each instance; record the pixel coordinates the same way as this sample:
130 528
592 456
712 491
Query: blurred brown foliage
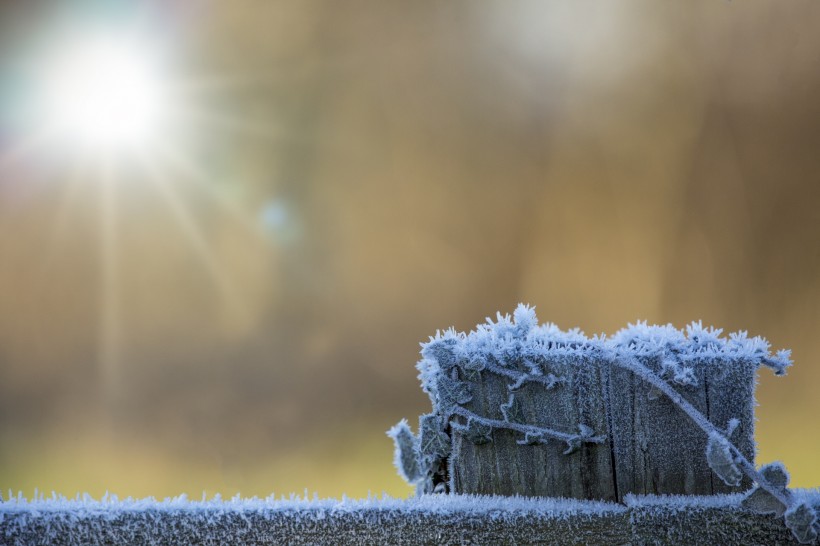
429 163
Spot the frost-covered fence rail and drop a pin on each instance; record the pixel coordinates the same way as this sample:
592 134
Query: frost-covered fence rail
435 519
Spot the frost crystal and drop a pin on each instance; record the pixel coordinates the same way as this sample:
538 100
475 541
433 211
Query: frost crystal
776 474
451 393
442 351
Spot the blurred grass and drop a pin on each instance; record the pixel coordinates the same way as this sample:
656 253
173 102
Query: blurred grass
353 462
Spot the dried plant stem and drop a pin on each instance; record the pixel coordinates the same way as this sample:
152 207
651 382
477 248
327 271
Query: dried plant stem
521 378
531 429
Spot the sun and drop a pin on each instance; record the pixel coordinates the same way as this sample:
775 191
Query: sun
114 105
104 93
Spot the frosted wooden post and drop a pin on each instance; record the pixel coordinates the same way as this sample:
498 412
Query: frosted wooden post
523 409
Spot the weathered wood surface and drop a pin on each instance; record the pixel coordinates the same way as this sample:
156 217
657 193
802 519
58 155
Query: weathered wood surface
731 394
452 519
657 448
506 468
654 446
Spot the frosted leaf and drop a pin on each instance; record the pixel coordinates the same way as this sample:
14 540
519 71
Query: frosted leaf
532 439
801 519
433 441
512 411
472 369
476 432
405 457
762 502
474 364
442 350
776 474
451 393
781 360
721 461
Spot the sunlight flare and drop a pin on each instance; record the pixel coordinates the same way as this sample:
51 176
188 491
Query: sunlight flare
113 105
105 93
196 238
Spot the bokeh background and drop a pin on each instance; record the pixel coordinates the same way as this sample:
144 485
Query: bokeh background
363 173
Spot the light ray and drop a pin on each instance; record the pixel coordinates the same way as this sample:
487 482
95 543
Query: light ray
110 326
211 120
223 282
190 87
59 220
23 149
204 183
229 122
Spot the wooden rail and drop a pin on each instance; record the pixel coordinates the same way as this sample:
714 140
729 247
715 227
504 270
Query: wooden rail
438 519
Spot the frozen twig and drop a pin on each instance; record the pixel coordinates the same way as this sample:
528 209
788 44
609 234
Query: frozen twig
584 435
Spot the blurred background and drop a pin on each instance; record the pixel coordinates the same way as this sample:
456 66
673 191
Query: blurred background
233 302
